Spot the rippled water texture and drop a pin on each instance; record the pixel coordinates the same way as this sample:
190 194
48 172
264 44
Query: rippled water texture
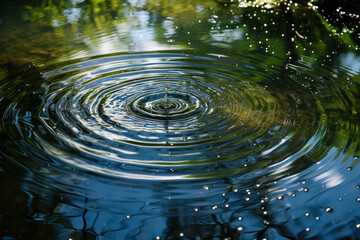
143 120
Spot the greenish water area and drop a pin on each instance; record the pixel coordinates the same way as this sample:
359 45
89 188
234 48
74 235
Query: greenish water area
161 119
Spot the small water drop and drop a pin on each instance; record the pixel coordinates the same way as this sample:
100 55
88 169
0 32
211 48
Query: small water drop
206 187
329 209
166 98
241 228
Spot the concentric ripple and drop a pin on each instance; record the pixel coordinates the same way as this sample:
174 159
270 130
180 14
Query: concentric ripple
165 115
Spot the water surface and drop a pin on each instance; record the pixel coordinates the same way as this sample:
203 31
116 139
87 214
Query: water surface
162 120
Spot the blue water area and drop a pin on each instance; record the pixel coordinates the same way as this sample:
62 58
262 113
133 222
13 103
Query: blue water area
178 120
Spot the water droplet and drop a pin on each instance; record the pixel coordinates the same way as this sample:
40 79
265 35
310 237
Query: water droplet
329 209
166 98
240 228
206 187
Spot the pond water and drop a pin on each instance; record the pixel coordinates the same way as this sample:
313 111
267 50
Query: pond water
146 119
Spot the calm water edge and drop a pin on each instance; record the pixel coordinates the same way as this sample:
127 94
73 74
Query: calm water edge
145 119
